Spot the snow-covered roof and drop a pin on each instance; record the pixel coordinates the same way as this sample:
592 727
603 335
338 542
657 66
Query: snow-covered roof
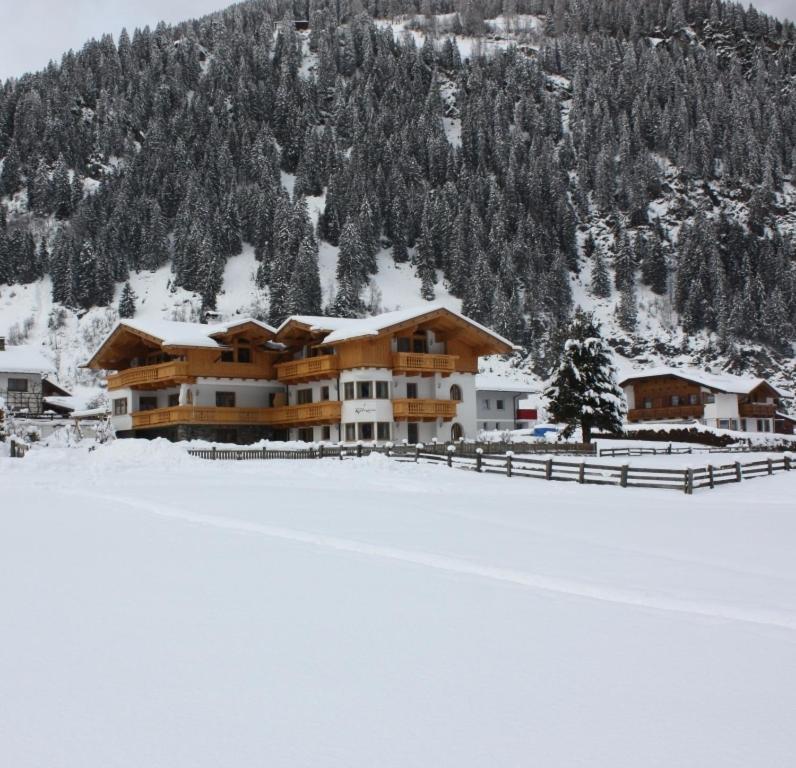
173 333
71 402
344 328
493 382
24 359
721 382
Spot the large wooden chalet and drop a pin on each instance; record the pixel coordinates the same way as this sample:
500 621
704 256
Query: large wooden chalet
723 401
406 375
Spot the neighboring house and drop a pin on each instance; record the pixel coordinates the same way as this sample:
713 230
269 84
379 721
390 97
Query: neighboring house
406 375
724 401
499 399
23 382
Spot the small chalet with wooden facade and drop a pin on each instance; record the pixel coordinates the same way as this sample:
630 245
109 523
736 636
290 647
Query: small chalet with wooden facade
723 401
405 375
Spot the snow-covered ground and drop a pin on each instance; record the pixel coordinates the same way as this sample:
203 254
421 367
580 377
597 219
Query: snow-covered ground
159 610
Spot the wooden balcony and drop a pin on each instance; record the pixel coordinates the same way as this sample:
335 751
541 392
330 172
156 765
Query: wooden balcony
310 414
309 369
757 410
150 376
667 412
284 416
423 410
415 363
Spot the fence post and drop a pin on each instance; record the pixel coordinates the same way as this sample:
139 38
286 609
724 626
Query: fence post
738 472
582 472
479 452
689 481
509 454
710 476
451 449
213 453
623 475
786 461
263 453
359 449
320 451
340 448
770 466
417 453
548 469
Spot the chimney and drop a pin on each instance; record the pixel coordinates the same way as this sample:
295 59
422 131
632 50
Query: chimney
2 343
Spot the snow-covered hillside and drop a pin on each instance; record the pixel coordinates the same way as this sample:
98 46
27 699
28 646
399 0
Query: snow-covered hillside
27 312
158 613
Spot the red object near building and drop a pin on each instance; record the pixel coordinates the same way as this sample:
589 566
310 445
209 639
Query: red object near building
526 414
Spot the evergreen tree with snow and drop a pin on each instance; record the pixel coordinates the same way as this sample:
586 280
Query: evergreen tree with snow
127 301
600 280
583 392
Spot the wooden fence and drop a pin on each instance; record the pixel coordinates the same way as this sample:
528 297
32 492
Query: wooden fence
645 451
625 476
322 451
17 450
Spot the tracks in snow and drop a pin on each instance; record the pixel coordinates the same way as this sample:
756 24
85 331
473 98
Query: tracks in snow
539 582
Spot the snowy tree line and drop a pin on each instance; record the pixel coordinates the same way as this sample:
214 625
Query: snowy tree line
171 146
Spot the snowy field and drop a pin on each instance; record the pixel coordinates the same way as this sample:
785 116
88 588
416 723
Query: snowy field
168 612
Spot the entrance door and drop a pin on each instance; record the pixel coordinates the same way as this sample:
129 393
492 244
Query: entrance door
457 433
412 433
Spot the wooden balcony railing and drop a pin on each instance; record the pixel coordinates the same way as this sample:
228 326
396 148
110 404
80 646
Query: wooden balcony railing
153 376
414 363
757 410
327 412
423 410
296 371
284 416
667 412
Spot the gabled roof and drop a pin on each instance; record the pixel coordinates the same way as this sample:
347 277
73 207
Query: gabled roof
334 330
173 333
493 382
724 382
24 359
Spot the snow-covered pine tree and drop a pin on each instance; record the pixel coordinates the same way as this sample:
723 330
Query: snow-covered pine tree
584 392
127 301
600 280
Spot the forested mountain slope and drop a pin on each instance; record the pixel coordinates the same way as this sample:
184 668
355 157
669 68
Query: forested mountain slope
632 157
